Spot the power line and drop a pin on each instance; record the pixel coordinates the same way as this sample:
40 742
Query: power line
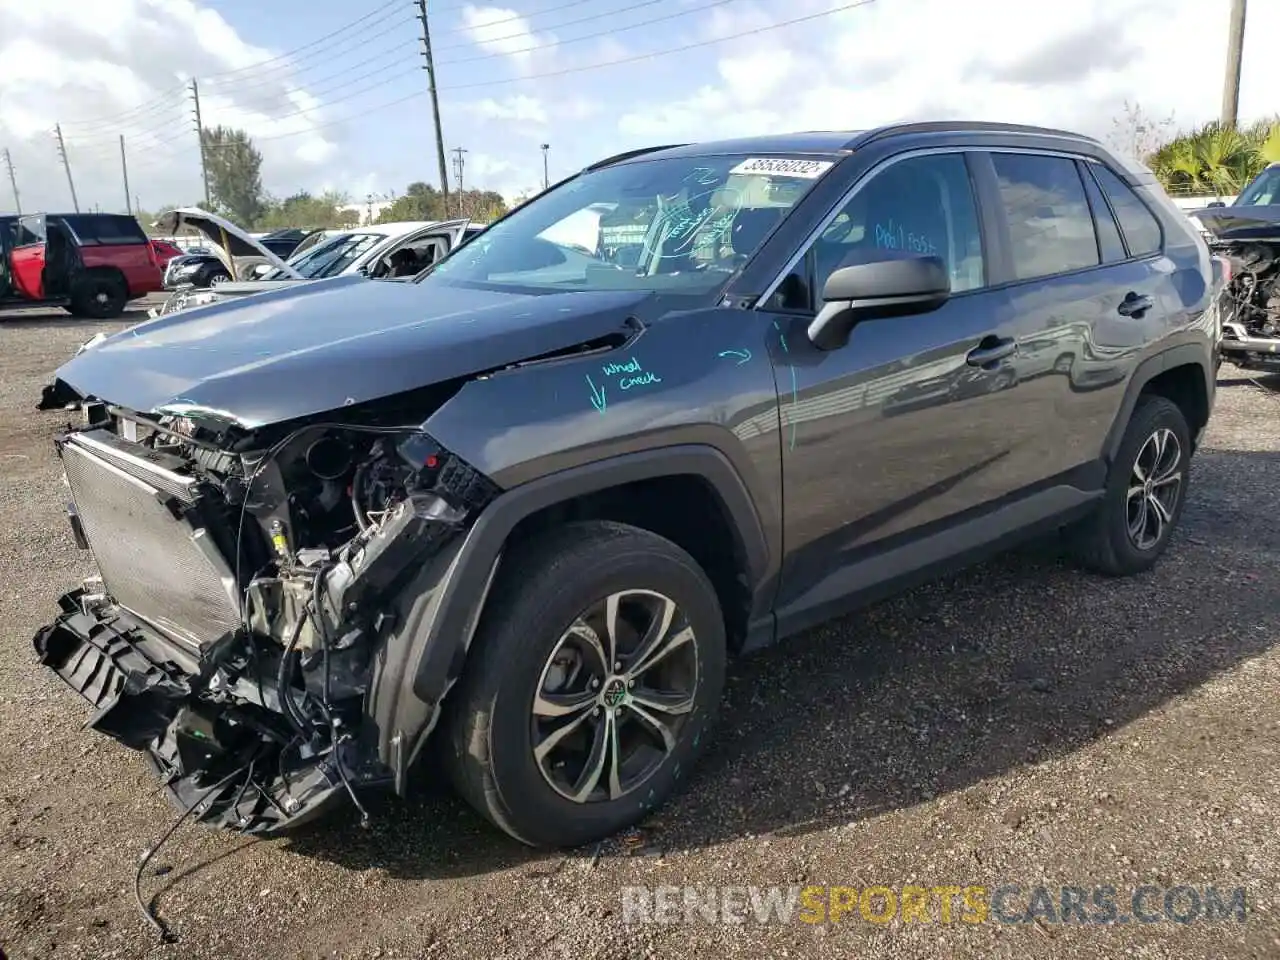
295 79
430 66
13 182
286 73
290 54
652 55
558 26
163 101
601 33
348 96
1235 51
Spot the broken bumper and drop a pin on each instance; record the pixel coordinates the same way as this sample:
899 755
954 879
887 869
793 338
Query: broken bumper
141 690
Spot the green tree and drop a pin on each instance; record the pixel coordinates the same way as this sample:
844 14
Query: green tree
235 174
1213 159
421 201
324 212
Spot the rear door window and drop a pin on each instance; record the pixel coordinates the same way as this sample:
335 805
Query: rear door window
105 228
1050 225
1139 225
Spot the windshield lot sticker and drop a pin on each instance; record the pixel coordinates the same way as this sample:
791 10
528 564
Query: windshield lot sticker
782 167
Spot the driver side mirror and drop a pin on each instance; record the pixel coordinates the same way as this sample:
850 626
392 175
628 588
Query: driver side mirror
894 287
1216 203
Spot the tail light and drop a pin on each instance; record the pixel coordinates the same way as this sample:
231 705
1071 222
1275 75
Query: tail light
151 254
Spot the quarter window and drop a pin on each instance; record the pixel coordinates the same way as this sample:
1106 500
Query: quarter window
1050 227
1109 243
1138 224
922 205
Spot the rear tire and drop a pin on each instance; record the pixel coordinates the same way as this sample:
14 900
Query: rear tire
1145 493
544 738
99 297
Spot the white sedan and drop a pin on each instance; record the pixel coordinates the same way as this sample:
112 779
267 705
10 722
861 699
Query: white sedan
378 251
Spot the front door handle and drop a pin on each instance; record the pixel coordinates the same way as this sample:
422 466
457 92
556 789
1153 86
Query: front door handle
991 351
1135 305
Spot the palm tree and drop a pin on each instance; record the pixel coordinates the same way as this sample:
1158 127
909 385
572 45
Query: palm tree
1216 159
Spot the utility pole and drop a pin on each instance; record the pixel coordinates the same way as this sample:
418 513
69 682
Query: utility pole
13 182
435 103
546 181
459 161
204 164
124 169
1235 51
62 152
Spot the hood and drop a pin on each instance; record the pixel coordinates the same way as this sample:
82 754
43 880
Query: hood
241 288
327 344
242 250
1244 222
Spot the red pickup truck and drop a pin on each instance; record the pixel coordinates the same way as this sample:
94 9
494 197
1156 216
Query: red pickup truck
91 264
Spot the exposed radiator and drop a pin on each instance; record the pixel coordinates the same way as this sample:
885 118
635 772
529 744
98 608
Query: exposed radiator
157 566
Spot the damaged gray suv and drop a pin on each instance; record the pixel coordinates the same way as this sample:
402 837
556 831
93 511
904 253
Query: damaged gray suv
519 511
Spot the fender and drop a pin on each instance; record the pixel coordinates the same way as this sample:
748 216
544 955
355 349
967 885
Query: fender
1182 355
425 655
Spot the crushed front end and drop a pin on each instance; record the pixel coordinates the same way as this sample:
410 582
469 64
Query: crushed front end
246 582
1248 249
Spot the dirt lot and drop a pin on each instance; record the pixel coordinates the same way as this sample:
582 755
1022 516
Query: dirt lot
1020 724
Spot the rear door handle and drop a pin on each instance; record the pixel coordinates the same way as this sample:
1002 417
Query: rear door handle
1134 305
991 350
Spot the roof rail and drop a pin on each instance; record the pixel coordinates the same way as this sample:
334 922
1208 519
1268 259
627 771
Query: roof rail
639 152
962 126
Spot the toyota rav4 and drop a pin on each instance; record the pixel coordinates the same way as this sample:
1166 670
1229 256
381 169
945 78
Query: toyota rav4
687 402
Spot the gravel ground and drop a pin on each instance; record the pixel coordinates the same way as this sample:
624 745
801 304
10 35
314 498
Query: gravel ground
1022 723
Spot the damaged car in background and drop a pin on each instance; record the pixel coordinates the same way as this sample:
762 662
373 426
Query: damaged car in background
1245 237
395 251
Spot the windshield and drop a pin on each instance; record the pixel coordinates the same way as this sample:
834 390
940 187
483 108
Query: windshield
332 256
672 225
1264 190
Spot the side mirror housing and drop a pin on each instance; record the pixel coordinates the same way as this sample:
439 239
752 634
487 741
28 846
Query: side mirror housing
890 287
1216 203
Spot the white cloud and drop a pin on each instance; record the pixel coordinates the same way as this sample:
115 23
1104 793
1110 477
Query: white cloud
519 108
1070 64
503 31
124 71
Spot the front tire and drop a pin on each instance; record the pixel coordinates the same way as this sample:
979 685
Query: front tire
593 679
1145 493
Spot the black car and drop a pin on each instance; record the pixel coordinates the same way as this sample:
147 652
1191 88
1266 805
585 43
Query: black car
198 269
522 509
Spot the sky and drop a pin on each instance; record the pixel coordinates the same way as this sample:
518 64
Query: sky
333 93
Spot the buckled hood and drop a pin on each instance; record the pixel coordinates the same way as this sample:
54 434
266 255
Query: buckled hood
328 344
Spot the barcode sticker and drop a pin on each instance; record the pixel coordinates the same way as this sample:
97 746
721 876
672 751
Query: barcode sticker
784 167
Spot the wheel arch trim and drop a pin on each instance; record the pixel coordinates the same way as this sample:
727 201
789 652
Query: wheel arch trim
438 658
1185 354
